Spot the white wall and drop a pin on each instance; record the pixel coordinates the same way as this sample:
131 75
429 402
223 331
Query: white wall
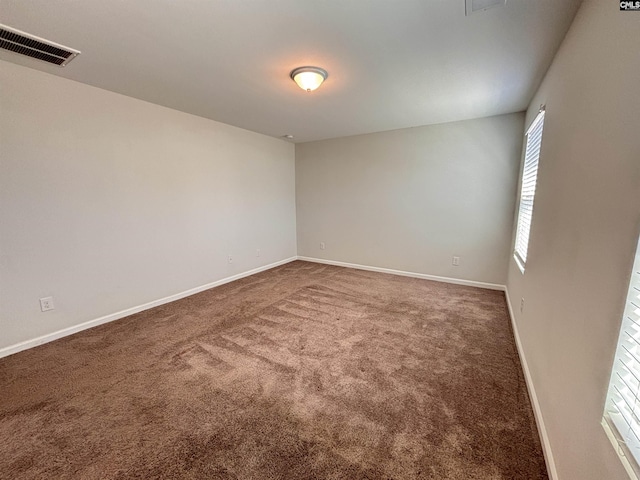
411 199
585 225
107 202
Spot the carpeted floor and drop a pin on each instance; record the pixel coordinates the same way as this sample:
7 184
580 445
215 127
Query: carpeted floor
305 371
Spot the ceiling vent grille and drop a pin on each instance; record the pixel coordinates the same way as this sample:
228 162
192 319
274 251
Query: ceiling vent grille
35 47
474 6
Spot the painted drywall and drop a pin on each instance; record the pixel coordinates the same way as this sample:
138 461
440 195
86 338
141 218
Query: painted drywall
107 202
585 225
412 199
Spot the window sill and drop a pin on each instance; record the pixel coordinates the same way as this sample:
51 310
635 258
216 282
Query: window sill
519 263
616 447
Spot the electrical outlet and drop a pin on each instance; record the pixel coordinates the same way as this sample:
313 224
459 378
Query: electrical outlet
455 261
521 305
321 245
230 259
257 252
46 304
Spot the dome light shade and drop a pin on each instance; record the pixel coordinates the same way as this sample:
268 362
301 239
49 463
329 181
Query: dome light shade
309 78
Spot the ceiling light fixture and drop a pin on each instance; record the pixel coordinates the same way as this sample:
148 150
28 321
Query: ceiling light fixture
309 78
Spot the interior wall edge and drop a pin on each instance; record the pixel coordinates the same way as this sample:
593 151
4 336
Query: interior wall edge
537 411
49 337
403 273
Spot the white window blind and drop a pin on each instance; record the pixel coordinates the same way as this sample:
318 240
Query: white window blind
528 189
622 409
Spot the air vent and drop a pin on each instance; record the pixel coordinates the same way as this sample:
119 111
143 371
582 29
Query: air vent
32 46
474 6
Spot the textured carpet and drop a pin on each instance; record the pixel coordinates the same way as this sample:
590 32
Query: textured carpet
305 371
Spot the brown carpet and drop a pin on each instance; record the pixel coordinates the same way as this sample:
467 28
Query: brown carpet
305 371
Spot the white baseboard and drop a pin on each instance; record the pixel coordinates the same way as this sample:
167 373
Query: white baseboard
537 412
18 347
456 281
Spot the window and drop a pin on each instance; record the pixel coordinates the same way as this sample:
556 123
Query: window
528 189
622 409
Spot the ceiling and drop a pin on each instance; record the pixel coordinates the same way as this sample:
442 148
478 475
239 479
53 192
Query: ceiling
392 63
